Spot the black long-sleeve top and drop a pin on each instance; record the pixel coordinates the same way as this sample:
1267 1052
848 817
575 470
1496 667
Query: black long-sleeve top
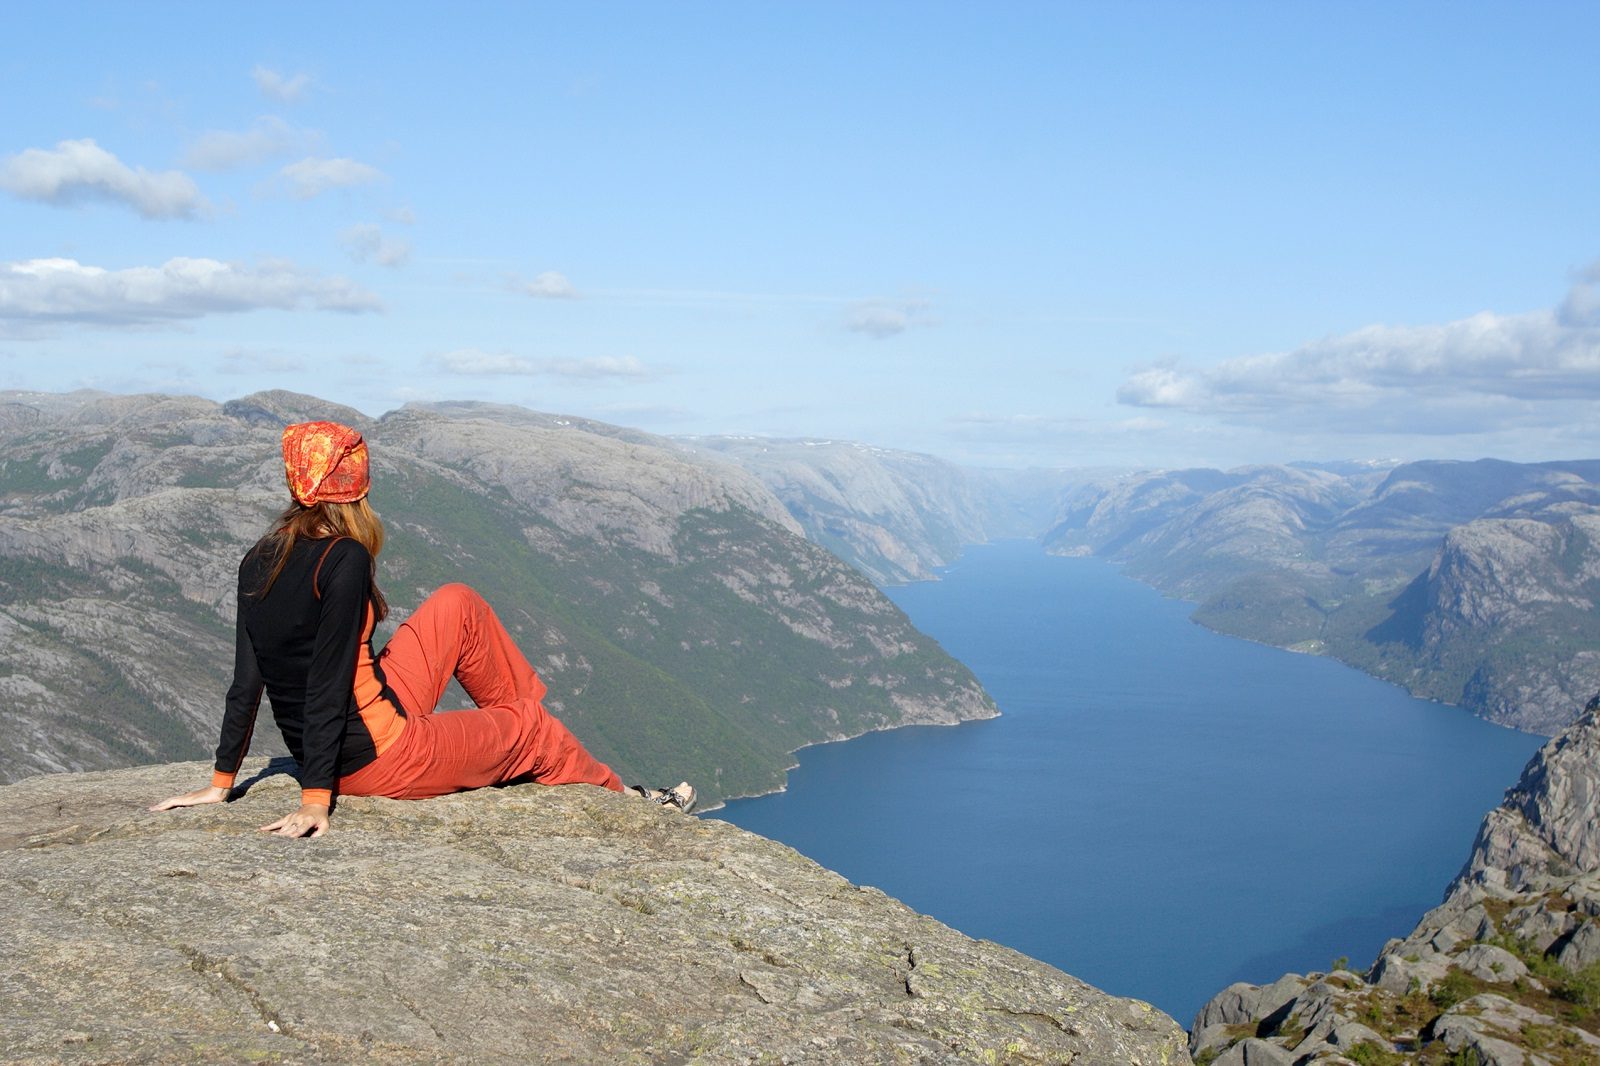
302 642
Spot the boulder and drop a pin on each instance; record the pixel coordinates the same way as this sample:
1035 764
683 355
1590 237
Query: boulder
1336 1036
1495 1028
1242 1002
1489 963
1581 948
1254 1052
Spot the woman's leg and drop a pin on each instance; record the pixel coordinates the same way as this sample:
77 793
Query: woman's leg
455 633
492 745
509 736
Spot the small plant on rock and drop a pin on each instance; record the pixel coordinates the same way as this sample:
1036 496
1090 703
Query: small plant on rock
1369 1054
1451 989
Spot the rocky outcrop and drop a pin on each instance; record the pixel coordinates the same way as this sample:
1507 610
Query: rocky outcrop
524 924
1507 609
1506 968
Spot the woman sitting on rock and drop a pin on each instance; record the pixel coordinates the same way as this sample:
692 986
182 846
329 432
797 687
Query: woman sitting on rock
361 724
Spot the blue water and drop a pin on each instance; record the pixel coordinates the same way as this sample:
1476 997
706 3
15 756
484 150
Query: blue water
1161 810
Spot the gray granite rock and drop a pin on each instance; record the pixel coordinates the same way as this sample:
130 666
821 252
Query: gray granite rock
1334 1037
1537 924
1211 1038
526 923
1243 1002
1489 963
1494 1027
1559 793
1395 971
1581 948
1254 1052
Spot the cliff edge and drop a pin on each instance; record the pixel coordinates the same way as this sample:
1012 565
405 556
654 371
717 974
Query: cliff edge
1504 972
524 923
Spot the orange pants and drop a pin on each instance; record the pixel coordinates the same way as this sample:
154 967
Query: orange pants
508 736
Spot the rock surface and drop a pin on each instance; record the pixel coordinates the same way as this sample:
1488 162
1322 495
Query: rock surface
522 924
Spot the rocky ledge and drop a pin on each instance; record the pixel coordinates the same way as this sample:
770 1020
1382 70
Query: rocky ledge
1504 972
519 924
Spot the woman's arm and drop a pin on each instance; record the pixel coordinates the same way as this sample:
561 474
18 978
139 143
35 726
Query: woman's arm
238 720
243 701
209 794
310 820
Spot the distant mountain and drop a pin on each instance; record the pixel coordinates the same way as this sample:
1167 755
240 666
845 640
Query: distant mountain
1469 582
684 626
896 516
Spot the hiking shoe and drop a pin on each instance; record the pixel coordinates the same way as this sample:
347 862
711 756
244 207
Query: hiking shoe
679 797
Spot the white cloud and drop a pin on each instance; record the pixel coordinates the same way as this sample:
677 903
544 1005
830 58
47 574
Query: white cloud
313 177
1472 375
403 215
367 241
230 149
551 285
274 86
64 290
75 171
1581 308
475 362
880 319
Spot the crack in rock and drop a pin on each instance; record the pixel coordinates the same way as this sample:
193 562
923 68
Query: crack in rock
202 963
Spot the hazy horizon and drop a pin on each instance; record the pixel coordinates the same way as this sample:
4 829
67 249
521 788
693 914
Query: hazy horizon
1059 235
1104 468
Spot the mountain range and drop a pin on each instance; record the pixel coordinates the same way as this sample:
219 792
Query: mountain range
1472 583
689 599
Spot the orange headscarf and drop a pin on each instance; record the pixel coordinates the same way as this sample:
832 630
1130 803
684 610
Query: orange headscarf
325 463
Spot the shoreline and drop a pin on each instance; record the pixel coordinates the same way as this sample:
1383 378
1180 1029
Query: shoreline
840 740
1296 649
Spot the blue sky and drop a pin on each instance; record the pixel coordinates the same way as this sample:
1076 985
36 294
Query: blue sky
1008 234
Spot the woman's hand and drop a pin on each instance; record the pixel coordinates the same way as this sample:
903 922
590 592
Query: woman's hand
310 820
209 794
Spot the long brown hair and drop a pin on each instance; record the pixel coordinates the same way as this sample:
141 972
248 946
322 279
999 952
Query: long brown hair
358 521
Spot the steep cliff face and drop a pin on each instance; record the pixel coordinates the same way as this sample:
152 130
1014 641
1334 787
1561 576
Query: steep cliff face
1503 619
521 924
1504 972
894 515
683 624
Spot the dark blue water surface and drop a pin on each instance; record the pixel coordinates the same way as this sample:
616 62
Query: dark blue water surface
1161 810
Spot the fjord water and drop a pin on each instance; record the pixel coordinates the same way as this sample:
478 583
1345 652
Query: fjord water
1160 810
